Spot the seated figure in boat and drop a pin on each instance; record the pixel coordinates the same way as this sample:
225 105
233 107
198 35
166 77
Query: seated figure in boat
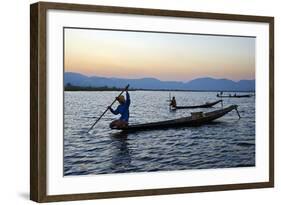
123 110
173 103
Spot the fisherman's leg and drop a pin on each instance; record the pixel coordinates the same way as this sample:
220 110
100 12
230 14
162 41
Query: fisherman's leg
118 124
122 124
113 124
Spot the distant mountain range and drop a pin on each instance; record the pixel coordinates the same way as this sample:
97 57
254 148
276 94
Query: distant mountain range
199 84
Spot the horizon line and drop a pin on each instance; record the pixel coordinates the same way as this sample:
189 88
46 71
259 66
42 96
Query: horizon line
215 78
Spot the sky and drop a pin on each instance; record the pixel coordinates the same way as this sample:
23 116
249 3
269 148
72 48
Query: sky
165 56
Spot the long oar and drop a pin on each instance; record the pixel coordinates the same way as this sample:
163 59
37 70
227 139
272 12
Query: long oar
108 107
237 112
170 101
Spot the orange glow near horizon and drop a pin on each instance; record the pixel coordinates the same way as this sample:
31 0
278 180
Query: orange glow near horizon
179 57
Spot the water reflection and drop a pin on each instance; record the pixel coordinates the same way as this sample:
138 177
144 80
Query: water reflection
120 153
119 135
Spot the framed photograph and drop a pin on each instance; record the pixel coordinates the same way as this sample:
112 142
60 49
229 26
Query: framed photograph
135 102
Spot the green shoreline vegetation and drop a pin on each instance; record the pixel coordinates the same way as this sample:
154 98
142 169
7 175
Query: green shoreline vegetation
70 87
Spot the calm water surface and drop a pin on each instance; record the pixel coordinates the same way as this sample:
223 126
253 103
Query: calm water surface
227 142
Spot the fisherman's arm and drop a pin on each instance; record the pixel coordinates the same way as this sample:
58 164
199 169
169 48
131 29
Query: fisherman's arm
128 100
115 112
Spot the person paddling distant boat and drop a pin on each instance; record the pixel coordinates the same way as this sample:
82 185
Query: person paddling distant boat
173 103
123 110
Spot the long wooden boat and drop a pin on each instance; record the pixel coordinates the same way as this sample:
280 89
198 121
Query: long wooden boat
181 122
234 96
206 105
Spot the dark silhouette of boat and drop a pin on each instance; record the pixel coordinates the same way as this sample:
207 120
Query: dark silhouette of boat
206 105
234 96
196 119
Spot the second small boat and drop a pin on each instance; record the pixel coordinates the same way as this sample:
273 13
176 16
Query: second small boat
234 96
206 105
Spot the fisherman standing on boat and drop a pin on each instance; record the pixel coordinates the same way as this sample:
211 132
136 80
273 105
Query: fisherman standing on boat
173 103
220 95
123 110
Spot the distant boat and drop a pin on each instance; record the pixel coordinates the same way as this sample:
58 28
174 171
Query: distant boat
206 105
234 96
196 119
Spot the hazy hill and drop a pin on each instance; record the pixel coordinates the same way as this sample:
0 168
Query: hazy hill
210 84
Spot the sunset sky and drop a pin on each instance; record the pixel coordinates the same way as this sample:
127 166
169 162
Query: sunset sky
180 57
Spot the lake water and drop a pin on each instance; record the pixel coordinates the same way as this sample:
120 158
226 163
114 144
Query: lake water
227 142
